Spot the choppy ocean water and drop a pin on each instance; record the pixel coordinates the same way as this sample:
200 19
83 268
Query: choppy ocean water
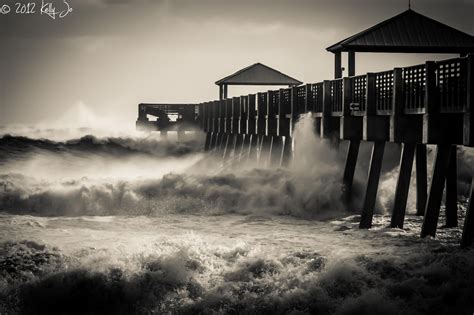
133 224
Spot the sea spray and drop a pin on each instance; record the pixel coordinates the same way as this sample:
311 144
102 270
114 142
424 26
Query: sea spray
228 266
121 176
172 233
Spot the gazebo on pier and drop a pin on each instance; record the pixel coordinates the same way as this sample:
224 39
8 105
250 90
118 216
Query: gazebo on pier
256 74
407 32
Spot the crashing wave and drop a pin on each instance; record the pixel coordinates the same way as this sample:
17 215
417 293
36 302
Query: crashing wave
18 146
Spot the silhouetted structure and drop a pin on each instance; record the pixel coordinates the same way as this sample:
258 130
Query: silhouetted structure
408 32
170 117
431 103
256 74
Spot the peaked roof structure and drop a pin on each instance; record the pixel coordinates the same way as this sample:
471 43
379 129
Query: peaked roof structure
408 31
258 74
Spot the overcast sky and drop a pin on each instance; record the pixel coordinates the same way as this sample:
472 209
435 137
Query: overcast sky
110 55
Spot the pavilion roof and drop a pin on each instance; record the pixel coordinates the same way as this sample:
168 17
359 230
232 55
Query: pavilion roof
407 32
258 74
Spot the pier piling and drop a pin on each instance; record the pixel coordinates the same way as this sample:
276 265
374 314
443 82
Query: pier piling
435 195
403 186
468 229
421 179
372 185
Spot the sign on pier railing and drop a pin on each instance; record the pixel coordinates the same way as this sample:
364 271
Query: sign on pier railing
357 101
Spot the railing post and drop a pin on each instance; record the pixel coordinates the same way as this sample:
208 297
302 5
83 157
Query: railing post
278 113
307 104
375 128
431 101
327 98
325 130
267 113
295 108
291 120
346 96
431 121
370 108
204 113
397 100
397 123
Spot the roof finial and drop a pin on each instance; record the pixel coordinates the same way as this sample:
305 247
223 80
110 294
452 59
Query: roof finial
409 4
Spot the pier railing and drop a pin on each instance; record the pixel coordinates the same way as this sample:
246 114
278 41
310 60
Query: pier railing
433 87
315 99
384 92
451 80
414 84
358 95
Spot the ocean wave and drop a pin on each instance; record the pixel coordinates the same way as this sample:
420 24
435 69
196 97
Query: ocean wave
255 191
20 147
188 281
128 176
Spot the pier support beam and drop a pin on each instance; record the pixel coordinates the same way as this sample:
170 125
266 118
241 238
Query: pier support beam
181 135
372 185
244 153
435 195
207 143
265 150
217 142
468 230
349 169
239 148
229 147
421 179
222 143
403 186
287 151
277 151
253 148
452 190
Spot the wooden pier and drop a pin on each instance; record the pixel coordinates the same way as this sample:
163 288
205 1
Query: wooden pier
169 117
431 103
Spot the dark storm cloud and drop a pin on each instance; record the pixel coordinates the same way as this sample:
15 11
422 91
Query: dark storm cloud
88 18
118 17
105 46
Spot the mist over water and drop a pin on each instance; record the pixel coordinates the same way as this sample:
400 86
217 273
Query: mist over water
133 223
150 176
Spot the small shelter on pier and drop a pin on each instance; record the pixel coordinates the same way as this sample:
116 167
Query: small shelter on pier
256 74
407 32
